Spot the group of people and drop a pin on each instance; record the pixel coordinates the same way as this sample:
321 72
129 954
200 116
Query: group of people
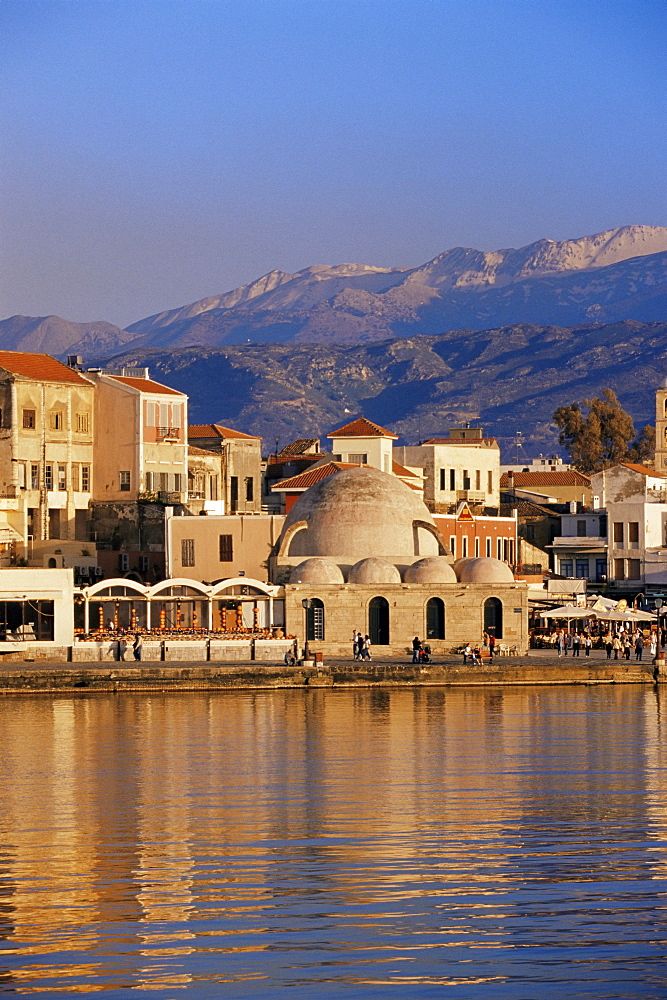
621 643
118 648
361 646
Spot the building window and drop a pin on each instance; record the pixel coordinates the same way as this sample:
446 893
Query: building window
213 487
478 480
581 569
175 415
187 551
529 532
466 479
435 618
149 480
74 474
56 420
581 529
493 617
226 548
234 493
600 570
452 479
618 534
464 547
358 458
499 549
566 567
178 482
62 477
633 537
82 423
85 479
48 477
249 489
634 569
28 419
378 621
443 479
477 548
489 486
124 478
619 569
452 545
489 544
315 620
34 477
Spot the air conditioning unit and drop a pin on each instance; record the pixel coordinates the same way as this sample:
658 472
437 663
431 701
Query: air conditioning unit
98 571
124 562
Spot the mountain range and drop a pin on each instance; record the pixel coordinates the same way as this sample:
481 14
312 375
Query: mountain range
615 275
500 338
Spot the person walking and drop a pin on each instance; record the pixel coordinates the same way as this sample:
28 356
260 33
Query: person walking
355 644
627 645
608 644
639 645
616 645
588 644
559 642
492 646
360 647
576 644
366 648
654 644
137 646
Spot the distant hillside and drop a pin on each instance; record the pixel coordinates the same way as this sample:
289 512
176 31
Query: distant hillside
53 335
508 379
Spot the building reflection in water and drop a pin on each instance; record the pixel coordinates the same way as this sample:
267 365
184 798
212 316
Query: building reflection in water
144 834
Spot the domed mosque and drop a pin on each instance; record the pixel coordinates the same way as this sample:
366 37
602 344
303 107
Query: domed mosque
361 550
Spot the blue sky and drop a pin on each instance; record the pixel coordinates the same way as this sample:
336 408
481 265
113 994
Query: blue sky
156 151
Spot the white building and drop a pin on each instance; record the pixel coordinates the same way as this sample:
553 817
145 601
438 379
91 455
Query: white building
462 467
635 498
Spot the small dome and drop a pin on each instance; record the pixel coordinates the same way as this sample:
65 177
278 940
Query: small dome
373 571
317 570
435 569
485 570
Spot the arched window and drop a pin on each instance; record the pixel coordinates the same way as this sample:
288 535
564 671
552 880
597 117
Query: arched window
378 621
493 617
315 619
435 619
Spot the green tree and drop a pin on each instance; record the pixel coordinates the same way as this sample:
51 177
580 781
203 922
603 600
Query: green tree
598 433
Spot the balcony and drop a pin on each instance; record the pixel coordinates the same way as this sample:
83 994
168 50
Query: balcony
588 543
168 433
471 496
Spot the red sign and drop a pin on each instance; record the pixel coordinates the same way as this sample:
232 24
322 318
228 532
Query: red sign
464 513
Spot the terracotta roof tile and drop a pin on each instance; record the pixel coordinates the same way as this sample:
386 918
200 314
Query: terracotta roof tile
195 451
146 385
311 476
644 470
401 471
361 427
217 431
571 478
41 367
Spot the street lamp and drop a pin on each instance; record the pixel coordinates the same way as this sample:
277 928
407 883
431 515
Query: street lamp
658 602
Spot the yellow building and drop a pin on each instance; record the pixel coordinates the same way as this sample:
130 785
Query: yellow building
47 425
140 439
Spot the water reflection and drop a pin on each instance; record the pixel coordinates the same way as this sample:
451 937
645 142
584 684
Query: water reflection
494 842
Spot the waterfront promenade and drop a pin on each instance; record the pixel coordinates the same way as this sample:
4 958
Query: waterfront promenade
538 667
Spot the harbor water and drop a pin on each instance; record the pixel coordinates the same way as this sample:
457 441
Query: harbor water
429 842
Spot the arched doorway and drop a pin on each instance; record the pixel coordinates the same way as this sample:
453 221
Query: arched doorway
493 617
435 618
315 620
378 621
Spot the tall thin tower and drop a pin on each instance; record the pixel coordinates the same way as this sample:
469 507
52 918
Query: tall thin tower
661 427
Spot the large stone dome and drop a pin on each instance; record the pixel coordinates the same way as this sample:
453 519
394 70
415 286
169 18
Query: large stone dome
435 569
358 513
373 571
484 570
316 570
